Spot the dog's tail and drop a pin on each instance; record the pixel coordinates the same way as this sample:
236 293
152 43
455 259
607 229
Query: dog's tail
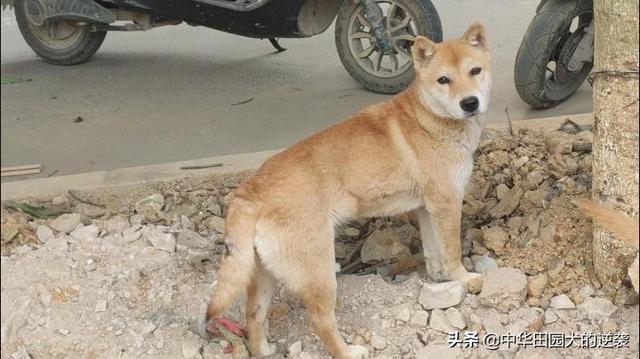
625 228
238 262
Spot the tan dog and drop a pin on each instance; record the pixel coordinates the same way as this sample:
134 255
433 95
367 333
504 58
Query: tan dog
625 228
413 152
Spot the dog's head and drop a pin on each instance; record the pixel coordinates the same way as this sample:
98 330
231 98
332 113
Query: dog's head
454 77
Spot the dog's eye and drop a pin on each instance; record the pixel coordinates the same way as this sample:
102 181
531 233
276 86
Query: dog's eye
443 80
475 71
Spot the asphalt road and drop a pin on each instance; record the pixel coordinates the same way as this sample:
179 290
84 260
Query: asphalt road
169 94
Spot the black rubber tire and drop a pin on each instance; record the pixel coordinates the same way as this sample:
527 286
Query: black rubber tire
428 23
537 46
79 52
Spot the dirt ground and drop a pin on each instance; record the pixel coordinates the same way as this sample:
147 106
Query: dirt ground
127 272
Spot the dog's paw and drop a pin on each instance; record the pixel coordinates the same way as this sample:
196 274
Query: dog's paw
473 282
357 352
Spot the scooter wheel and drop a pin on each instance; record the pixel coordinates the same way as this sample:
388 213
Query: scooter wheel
404 20
58 42
541 76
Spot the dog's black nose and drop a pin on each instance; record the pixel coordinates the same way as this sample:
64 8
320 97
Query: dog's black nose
470 103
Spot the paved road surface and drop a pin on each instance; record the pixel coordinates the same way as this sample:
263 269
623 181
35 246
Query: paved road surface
167 94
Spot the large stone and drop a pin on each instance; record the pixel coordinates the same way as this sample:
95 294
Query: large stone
495 238
504 289
66 222
44 233
508 204
160 240
10 226
484 264
191 239
537 284
561 301
116 225
150 205
441 295
86 233
456 319
440 322
382 244
597 309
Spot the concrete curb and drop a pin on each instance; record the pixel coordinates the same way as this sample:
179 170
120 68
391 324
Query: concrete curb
46 187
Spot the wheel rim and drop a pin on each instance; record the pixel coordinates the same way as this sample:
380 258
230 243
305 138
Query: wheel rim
401 26
56 34
561 82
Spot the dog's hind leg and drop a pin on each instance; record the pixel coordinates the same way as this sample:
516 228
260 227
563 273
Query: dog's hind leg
259 295
306 266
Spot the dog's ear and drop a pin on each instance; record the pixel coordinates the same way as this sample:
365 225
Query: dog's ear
423 50
476 37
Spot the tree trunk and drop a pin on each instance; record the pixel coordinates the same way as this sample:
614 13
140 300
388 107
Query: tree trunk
615 147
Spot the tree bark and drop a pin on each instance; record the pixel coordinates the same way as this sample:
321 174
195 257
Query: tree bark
615 147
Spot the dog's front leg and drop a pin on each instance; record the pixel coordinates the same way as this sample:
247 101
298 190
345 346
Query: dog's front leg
440 233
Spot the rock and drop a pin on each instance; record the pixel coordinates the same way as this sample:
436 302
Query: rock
440 322
101 306
191 239
441 295
382 244
215 209
403 314
561 301
351 232
295 349
57 244
508 204
378 342
44 233
86 233
116 225
216 223
420 318
534 179
537 284
525 319
150 205
484 264
492 323
495 238
66 222
43 295
439 350
90 211
597 309
456 319
9 227
586 292
504 289
555 266
467 264
538 353
160 240
502 190
550 317
131 234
